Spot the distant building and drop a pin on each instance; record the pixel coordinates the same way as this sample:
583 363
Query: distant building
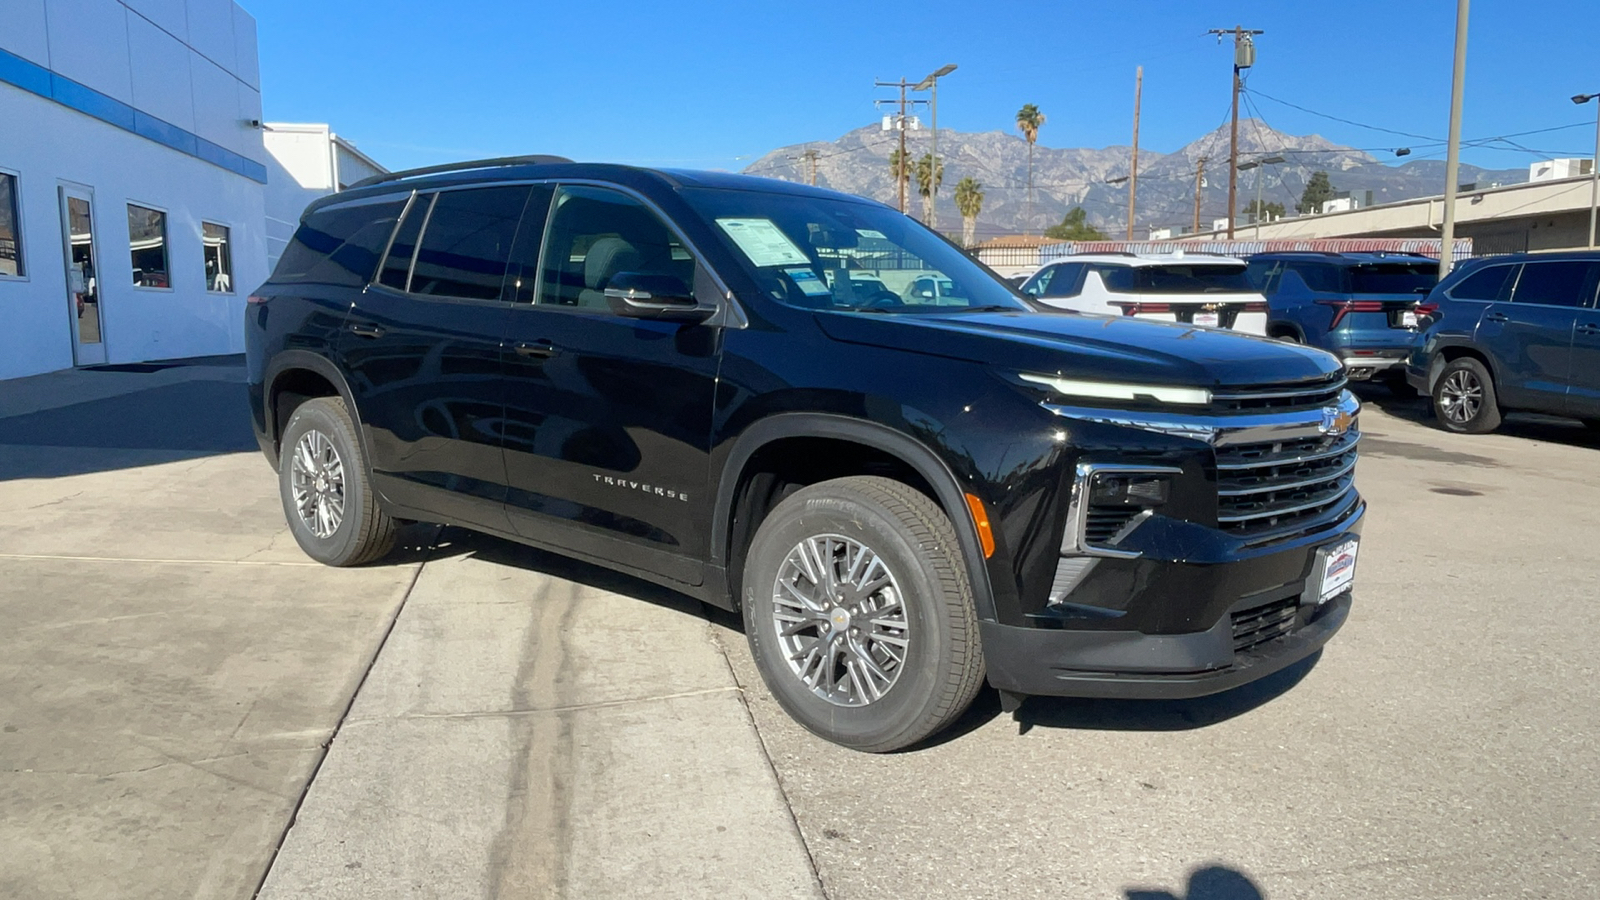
1163 234
305 162
1551 169
132 180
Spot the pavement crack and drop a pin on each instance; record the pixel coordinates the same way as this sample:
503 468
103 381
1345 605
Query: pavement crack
56 502
548 710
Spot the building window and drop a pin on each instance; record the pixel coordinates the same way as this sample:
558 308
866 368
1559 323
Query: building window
219 257
147 237
10 228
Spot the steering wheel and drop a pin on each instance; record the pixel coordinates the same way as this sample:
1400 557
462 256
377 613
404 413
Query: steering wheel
883 300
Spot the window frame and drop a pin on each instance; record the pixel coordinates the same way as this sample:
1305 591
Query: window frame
228 244
166 244
23 266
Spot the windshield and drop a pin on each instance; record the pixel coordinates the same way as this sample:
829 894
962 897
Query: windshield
819 253
1402 278
1186 279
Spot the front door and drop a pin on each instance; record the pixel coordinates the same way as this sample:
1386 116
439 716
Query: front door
83 276
608 418
422 350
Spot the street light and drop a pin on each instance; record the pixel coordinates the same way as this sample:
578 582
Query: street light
926 84
1247 166
1594 167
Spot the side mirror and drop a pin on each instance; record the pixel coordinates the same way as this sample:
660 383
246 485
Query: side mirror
641 295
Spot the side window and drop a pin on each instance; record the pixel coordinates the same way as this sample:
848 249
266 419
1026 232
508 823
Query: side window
147 242
467 242
596 234
10 228
1485 284
1040 282
1555 283
1319 277
217 244
397 265
1118 279
1264 274
1068 281
339 246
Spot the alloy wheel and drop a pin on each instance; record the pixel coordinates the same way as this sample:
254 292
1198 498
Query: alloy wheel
1461 396
840 620
317 480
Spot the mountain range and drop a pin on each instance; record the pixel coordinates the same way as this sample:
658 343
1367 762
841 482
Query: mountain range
858 163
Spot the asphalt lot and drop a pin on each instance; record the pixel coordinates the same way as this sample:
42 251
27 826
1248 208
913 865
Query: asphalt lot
502 722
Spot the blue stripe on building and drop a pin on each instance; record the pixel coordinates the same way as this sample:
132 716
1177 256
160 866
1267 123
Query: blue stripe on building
36 79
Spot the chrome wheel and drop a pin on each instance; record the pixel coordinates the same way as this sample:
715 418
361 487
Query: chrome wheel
317 481
840 621
1461 396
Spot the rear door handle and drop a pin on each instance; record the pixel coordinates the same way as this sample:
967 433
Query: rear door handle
1496 317
536 349
1589 328
366 330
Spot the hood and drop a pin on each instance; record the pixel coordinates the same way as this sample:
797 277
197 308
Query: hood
1097 348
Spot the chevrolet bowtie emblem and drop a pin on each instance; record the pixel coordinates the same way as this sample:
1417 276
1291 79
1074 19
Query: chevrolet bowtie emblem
1335 421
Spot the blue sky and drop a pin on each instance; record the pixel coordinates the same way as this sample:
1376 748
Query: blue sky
715 84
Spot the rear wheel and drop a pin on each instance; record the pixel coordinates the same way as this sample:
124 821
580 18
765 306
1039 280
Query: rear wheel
1464 399
327 496
859 613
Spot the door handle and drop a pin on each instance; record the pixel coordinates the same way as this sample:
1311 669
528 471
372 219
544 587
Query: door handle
1496 317
1589 328
536 349
366 330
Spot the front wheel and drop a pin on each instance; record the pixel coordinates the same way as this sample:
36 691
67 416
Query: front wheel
1464 398
327 496
859 613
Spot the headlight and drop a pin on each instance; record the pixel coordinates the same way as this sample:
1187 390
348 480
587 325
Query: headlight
1109 390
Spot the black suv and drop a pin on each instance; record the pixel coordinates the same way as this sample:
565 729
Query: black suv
721 384
1512 332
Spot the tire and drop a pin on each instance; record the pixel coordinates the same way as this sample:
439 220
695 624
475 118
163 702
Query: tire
929 655
1464 399
320 457
1288 337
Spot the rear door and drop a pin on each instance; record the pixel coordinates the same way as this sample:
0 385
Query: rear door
608 418
422 350
1529 338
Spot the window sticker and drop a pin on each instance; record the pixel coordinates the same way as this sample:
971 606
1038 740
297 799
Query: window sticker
870 233
808 282
763 242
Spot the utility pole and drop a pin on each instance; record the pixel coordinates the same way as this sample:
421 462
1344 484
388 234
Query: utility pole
1133 167
900 126
1199 182
1244 56
1452 165
811 157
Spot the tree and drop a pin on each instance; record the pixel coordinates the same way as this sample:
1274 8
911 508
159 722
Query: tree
969 202
1075 227
1318 191
899 169
1267 213
1029 121
927 180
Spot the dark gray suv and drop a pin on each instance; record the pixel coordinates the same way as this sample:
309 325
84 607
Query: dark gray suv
1518 332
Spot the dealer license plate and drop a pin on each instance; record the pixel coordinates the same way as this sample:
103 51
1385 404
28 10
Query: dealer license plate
1408 319
1207 318
1335 571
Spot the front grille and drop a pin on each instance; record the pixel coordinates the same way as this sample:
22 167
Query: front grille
1299 395
1254 627
1271 489
1102 523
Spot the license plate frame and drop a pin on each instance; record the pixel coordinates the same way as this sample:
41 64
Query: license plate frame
1408 319
1208 319
1334 571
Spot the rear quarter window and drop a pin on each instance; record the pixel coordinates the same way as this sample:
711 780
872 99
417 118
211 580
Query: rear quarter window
339 246
1484 285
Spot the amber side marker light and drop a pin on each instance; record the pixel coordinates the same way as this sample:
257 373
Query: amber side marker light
980 518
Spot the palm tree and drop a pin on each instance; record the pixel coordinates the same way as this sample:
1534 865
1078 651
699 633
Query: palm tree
1029 121
927 180
899 169
969 202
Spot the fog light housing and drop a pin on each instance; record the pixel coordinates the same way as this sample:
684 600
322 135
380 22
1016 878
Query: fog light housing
1128 489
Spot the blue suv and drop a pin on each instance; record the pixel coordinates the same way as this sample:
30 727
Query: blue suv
1512 332
1361 307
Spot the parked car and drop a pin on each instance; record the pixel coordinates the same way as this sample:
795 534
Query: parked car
1191 288
645 370
1518 332
936 290
1361 307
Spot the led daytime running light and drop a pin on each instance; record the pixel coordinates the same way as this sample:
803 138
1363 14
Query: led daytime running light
1105 390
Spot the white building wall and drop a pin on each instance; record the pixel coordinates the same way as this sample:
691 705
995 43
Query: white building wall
180 73
305 161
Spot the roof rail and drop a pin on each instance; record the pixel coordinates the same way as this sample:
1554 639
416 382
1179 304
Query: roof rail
498 162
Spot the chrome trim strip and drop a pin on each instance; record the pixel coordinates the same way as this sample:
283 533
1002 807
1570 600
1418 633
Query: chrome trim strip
1072 541
1219 430
1345 445
1293 485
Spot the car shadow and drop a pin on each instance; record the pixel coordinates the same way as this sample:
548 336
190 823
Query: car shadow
1211 882
203 415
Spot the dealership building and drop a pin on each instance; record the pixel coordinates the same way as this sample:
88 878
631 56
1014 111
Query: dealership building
132 180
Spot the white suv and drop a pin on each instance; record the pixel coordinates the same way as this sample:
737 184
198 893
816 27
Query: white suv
1196 289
